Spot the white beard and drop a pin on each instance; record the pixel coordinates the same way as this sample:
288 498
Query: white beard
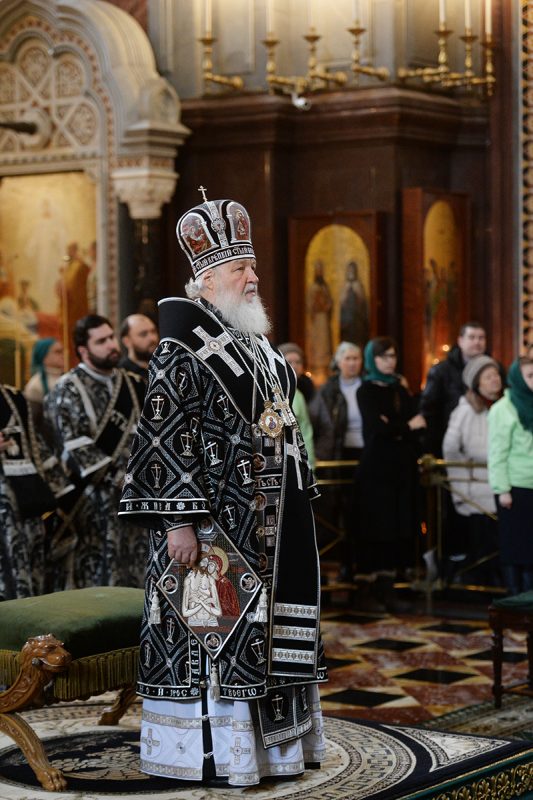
246 316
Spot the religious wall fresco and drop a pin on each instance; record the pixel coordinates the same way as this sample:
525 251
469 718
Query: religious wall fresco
442 259
337 295
47 264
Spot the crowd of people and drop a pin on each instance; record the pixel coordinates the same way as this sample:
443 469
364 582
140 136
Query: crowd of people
64 445
365 411
72 433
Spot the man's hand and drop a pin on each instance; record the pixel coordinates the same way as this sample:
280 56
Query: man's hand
183 545
417 422
506 499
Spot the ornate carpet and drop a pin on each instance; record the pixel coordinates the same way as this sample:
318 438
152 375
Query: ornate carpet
514 720
364 760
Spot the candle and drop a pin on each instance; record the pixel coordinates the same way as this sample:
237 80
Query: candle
468 15
442 12
488 17
356 13
208 18
270 16
310 14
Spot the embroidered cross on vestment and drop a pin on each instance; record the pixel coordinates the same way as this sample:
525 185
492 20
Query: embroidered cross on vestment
215 346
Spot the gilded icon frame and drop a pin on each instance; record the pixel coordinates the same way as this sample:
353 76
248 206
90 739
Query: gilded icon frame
335 283
436 256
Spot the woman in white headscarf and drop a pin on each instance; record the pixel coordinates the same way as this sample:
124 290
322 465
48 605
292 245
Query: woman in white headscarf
466 439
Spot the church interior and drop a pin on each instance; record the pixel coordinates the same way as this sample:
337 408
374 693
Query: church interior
382 145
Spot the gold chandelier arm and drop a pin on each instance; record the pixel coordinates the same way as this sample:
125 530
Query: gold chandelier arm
381 73
294 83
208 76
235 82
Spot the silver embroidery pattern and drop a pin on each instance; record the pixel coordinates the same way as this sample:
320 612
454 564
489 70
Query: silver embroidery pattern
293 632
292 610
280 654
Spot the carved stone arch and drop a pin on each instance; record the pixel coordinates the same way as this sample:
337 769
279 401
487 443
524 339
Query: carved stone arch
84 72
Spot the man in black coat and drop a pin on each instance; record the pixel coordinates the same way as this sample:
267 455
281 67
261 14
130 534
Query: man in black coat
444 386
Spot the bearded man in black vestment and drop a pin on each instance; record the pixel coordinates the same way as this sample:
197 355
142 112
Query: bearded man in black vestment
219 474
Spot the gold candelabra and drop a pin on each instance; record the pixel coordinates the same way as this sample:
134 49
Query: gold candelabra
381 73
441 74
294 84
320 77
432 74
317 77
233 82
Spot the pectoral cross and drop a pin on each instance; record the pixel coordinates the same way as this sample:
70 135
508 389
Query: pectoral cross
281 404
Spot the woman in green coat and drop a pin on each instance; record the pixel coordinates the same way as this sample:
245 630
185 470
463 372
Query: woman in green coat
510 463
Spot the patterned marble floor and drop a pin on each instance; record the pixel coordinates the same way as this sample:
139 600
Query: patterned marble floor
409 668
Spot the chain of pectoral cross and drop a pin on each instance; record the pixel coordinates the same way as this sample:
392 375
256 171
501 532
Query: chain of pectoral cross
254 354
271 394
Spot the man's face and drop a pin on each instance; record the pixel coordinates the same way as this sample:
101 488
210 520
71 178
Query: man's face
142 338
102 351
473 342
232 288
237 278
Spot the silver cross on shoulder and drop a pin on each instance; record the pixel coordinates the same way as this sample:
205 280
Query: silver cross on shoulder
215 346
294 452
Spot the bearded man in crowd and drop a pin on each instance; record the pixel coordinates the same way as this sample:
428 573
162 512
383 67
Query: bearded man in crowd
219 472
93 410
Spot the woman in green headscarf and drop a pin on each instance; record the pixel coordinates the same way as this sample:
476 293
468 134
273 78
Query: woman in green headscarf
47 366
511 474
387 484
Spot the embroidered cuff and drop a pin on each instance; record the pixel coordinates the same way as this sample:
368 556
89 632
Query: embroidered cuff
164 506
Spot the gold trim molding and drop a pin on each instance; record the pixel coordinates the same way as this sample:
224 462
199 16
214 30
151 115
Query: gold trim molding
526 217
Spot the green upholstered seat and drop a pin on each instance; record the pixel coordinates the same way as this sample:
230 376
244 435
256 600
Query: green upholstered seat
88 621
518 602
62 647
100 627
